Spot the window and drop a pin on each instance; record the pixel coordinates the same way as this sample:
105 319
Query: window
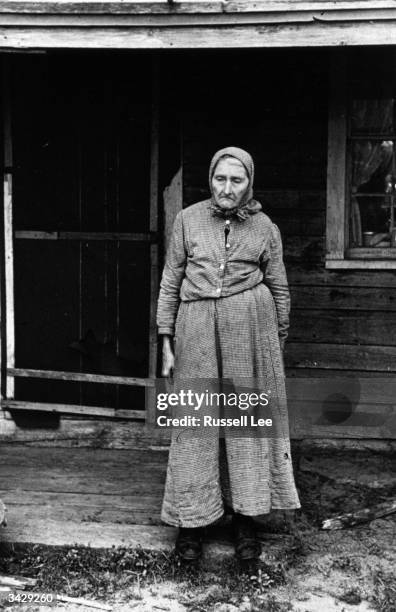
361 190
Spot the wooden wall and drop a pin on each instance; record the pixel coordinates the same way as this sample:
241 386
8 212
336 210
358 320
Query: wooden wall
275 105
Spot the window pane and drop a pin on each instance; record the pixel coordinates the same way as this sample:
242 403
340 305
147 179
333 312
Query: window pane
372 116
372 192
372 165
373 215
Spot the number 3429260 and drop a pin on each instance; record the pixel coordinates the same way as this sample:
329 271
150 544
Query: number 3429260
18 597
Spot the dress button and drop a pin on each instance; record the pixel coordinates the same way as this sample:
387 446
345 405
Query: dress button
221 266
228 222
218 289
228 245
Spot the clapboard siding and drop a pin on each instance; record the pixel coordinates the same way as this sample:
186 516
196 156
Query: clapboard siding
315 276
345 357
341 320
343 326
340 297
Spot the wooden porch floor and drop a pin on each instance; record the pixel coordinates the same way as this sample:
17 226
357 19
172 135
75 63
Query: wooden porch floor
84 496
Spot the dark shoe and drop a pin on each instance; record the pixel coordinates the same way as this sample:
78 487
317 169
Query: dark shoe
247 545
189 543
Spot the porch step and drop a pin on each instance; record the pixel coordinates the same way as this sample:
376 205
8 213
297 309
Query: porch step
50 532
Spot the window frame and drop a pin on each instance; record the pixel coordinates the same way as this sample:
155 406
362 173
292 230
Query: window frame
338 253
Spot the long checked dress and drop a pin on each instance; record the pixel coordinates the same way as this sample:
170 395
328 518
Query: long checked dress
228 310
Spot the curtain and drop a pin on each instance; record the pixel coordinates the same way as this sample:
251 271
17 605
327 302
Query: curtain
369 117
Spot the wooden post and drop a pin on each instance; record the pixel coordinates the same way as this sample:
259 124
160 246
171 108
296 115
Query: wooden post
173 203
336 163
154 176
8 285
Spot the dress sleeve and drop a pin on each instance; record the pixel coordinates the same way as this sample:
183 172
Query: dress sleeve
276 280
172 276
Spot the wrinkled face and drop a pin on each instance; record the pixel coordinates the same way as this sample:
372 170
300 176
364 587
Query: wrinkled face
229 182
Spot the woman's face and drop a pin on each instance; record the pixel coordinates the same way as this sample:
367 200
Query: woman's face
229 183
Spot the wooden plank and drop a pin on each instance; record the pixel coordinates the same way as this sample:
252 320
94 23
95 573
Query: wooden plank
30 478
80 377
343 298
356 264
3 512
37 530
345 445
86 411
111 7
345 326
371 253
92 460
89 473
204 7
73 433
367 391
114 463
306 373
154 176
300 274
132 509
7 157
340 356
313 34
9 283
202 19
322 5
336 161
173 203
28 235
120 502
9 314
110 236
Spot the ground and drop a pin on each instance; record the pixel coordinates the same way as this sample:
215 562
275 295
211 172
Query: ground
302 568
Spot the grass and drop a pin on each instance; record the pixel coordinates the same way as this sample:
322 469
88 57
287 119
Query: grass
97 573
384 597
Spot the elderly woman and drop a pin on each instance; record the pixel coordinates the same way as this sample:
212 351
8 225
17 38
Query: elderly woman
223 312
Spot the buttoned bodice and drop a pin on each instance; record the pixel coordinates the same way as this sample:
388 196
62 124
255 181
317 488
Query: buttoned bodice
209 257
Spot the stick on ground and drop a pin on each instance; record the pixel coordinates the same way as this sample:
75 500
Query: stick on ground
3 510
361 516
84 602
17 583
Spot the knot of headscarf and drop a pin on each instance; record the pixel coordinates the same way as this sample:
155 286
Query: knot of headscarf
241 212
247 206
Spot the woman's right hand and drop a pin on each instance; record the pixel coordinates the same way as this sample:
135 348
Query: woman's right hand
168 357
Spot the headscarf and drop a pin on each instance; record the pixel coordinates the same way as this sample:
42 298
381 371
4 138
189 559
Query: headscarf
247 206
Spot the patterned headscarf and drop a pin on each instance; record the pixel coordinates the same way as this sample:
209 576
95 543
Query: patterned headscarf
247 206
